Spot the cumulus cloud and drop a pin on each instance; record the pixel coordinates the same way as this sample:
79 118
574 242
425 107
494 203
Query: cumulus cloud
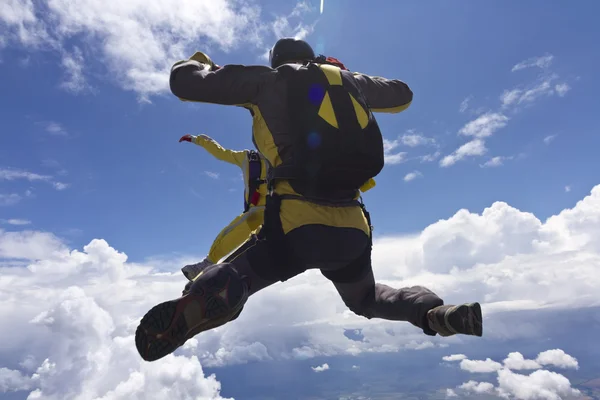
321 368
412 176
557 358
480 366
78 308
412 139
159 33
515 360
540 384
391 157
454 357
485 125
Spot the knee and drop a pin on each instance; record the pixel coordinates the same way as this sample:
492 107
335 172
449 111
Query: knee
222 281
423 296
362 306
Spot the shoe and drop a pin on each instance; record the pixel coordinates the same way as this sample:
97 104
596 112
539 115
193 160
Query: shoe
209 303
192 271
450 320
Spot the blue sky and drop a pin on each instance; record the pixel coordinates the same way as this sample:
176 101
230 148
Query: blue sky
88 146
134 185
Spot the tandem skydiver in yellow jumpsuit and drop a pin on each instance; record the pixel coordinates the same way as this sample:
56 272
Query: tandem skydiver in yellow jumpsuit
254 169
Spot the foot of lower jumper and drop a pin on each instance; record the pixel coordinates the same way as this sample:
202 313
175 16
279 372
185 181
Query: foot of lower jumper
216 297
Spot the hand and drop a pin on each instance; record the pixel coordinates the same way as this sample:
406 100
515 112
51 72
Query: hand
186 138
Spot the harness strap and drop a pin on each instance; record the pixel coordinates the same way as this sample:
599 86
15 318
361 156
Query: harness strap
254 180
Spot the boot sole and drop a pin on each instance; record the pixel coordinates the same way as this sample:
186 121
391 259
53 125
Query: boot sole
472 312
168 325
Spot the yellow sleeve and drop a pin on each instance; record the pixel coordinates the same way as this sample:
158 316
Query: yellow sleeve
370 184
217 151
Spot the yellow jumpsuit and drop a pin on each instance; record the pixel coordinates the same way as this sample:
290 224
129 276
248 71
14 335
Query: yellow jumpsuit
240 229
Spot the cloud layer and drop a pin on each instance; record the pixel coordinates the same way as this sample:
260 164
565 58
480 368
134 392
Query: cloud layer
541 384
73 312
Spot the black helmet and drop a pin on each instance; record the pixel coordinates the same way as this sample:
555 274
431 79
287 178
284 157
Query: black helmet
290 49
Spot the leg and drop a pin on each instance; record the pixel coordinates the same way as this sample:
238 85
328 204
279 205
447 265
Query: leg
417 305
215 297
230 238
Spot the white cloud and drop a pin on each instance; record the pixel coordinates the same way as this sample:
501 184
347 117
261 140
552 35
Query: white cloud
509 97
567 188
23 26
396 158
475 147
557 358
60 185
389 145
454 357
480 366
12 380
355 367
430 157
321 368
16 174
451 393
485 125
495 161
543 87
540 384
420 345
159 33
55 128
562 89
540 62
282 27
79 308
9 199
549 139
73 65
414 140
515 360
464 105
412 176
477 387
212 175
16 221
30 245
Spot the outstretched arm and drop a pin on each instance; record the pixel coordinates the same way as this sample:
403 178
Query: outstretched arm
385 95
215 149
199 79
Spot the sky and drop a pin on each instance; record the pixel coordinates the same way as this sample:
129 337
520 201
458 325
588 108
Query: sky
488 194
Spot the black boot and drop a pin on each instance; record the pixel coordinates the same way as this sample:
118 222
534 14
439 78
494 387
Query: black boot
450 320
